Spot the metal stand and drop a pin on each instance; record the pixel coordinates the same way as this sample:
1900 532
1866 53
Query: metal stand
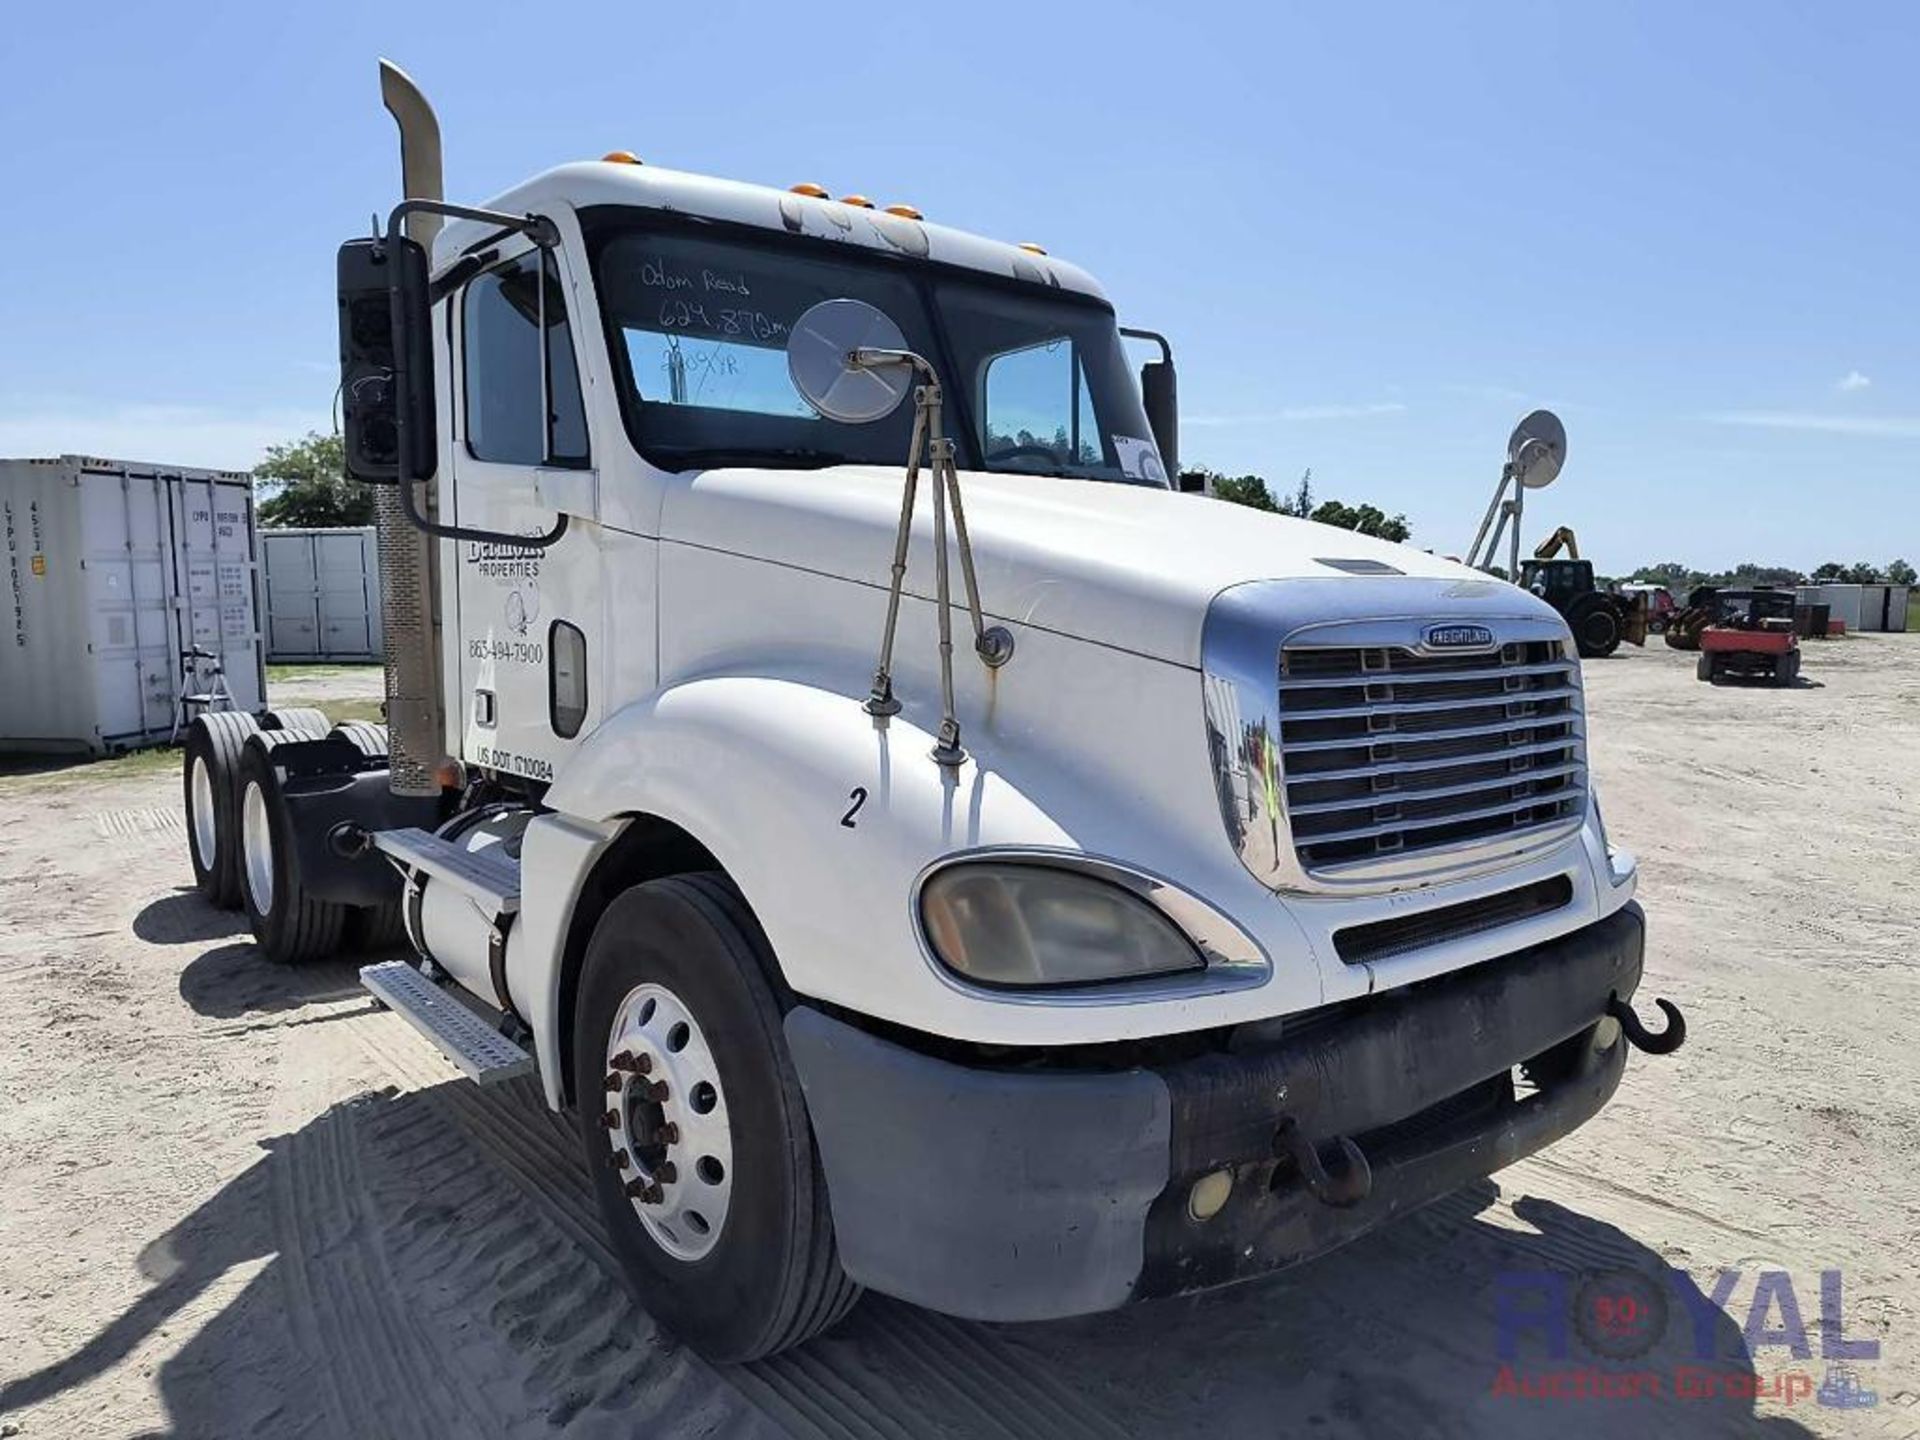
188 704
995 647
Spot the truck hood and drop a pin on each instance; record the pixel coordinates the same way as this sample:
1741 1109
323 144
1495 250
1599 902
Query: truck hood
1121 565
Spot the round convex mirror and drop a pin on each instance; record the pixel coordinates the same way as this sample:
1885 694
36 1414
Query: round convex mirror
820 359
1537 449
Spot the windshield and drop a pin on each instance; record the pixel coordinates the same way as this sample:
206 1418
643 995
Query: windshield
697 322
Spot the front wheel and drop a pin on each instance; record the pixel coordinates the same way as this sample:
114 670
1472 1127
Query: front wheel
694 1125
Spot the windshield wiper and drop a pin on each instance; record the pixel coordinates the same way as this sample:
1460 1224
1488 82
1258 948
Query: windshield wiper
773 456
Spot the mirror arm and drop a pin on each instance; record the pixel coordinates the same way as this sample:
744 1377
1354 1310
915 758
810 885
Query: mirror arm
542 232
1153 337
1161 401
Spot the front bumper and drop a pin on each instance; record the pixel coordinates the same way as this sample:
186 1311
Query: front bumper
1030 1194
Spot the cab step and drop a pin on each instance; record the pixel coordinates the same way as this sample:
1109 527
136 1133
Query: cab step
480 1053
488 877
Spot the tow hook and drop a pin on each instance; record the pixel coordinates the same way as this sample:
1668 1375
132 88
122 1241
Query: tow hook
1351 1184
1664 1043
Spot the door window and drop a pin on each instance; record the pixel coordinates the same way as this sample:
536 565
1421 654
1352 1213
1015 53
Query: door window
1039 408
502 317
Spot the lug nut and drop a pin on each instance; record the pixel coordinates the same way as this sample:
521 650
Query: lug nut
621 1160
614 1081
627 1060
666 1172
611 1119
645 1191
667 1134
659 1095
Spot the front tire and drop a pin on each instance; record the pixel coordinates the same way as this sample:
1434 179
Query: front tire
694 1125
288 923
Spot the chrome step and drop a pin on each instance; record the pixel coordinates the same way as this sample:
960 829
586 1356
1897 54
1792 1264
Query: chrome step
480 1052
489 876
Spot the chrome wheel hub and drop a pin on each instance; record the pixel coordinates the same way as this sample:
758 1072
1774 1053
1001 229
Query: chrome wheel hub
666 1122
206 834
256 847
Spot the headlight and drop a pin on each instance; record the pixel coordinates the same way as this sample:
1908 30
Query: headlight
1022 925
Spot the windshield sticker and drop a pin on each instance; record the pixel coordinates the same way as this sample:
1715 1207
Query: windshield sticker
1139 459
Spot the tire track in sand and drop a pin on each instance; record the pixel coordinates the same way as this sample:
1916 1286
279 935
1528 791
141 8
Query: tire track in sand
892 1372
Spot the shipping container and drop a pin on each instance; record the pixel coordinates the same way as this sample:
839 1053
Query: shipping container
1863 607
323 594
114 571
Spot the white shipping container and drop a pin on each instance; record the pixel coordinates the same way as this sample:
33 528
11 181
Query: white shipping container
1862 607
113 571
323 594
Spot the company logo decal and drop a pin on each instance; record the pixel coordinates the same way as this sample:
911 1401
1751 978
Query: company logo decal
1458 637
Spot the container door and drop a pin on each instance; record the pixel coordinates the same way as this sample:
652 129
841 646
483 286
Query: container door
341 585
370 563
293 611
129 595
214 559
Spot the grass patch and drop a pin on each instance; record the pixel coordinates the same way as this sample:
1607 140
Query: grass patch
294 674
337 710
21 771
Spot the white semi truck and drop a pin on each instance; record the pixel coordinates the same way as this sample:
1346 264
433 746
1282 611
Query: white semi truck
1235 884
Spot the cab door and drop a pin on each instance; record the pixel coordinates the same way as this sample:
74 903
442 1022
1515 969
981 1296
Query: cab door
526 617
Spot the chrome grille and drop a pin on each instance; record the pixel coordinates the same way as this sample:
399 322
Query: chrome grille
1389 751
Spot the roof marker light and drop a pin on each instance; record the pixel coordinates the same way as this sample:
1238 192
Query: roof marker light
810 190
1031 248
905 212
621 157
862 201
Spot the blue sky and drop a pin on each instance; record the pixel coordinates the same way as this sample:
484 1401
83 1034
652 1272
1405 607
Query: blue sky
1376 234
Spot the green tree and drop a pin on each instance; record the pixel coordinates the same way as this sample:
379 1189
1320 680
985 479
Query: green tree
1252 490
1899 572
1862 574
1675 576
1832 570
1248 490
1301 505
1367 519
304 482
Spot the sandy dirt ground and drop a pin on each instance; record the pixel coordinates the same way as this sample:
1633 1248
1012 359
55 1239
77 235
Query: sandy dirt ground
239 1201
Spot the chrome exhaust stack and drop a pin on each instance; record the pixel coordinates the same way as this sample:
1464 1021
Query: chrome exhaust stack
409 560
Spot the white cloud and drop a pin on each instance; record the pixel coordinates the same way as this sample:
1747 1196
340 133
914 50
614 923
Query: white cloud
1852 380
1291 414
1897 427
223 439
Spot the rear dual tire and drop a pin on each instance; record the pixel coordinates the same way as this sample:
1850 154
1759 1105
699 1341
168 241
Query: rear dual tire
212 755
734 1250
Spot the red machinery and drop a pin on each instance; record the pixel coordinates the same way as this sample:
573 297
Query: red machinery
1751 635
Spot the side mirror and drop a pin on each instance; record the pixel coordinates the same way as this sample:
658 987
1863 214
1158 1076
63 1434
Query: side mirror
381 322
1160 396
823 360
